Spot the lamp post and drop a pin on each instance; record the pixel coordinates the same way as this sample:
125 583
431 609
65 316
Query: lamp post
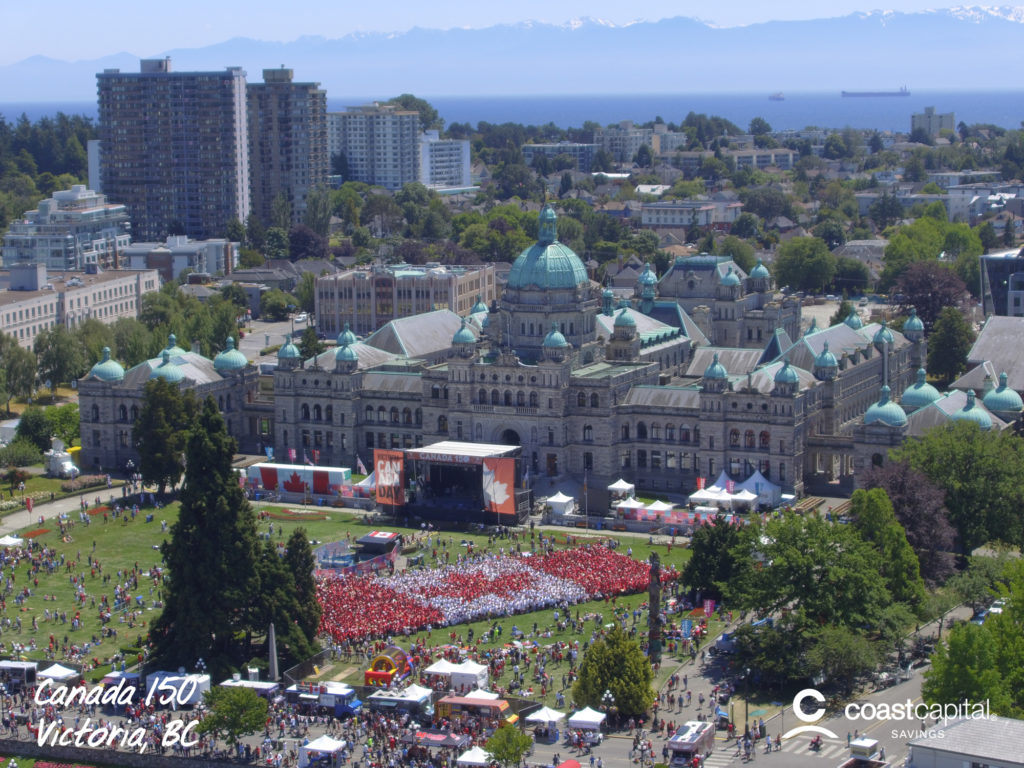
746 702
608 702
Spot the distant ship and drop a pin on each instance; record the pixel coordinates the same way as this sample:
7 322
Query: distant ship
777 97
871 94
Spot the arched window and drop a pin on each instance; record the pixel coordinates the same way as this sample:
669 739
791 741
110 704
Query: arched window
734 438
748 438
641 431
394 415
581 399
684 434
481 397
655 432
445 393
95 413
442 424
876 460
382 414
594 400
765 440
495 397
318 414
369 414
588 433
135 413
520 398
304 412
534 400
329 414
435 392
419 416
407 415
696 435
508 397
220 403
122 413
625 431
670 432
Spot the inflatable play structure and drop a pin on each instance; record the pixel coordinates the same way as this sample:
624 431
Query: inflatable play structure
388 667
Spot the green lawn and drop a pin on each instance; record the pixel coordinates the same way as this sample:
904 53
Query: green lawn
123 544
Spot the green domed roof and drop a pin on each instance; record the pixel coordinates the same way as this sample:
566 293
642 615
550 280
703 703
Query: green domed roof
624 319
230 359
885 411
463 335
647 277
972 412
787 375
172 346
913 323
107 369
346 354
479 306
760 270
547 264
1002 399
812 328
853 320
555 339
716 370
920 393
346 337
289 351
730 278
826 359
167 370
608 293
884 335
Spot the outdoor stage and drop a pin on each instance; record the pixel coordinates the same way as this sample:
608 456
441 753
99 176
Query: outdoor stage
452 481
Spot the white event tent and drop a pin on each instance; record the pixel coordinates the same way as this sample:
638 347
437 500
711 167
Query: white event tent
57 672
325 745
587 719
474 756
622 487
545 715
561 504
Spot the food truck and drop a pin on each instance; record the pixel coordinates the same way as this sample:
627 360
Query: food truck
338 698
414 700
497 711
691 739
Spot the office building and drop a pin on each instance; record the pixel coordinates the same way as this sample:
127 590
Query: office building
175 148
74 229
582 154
287 142
177 253
379 142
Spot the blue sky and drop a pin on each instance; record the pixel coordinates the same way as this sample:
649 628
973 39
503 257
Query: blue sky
73 30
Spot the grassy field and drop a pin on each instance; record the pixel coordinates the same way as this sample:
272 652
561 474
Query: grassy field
125 543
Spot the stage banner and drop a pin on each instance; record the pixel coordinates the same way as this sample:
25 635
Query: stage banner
499 479
390 469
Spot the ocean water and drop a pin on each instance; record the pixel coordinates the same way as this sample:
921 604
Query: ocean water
797 110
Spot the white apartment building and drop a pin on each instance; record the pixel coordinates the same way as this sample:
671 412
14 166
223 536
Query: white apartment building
444 163
623 140
31 304
170 258
380 143
75 228
678 214
932 122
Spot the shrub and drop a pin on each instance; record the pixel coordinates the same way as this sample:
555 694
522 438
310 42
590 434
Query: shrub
83 481
21 452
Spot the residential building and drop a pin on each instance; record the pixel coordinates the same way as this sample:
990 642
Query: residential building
1002 283
287 142
380 144
367 299
444 163
75 228
177 253
932 122
701 212
175 148
581 154
33 302
623 140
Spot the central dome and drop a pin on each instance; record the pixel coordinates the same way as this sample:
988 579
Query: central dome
547 263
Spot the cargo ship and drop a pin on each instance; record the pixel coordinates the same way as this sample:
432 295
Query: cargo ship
872 94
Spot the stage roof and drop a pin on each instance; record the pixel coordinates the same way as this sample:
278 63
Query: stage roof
451 447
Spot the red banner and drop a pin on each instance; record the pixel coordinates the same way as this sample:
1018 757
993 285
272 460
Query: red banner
389 467
499 486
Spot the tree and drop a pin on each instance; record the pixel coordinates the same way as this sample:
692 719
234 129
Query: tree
35 427
161 431
951 340
318 211
874 518
305 292
920 508
14 476
929 287
565 185
20 372
276 243
94 335
746 226
805 263
980 474
429 117
60 356
851 277
712 562
276 604
275 303
644 156
235 231
840 656
281 212
301 564
832 232
20 453
304 243
615 663
309 344
845 308
759 127
508 746
738 250
885 211
236 294
64 422
132 341
213 551
232 713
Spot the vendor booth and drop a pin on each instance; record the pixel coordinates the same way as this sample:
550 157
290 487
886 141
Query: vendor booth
589 722
264 688
476 756
767 492
129 682
561 504
622 489
58 673
469 675
337 698
175 689
324 751
19 674
494 712
546 722
414 700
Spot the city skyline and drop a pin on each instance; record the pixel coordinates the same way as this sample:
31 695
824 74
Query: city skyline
82 33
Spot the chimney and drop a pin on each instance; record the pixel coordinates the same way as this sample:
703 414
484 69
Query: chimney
227 257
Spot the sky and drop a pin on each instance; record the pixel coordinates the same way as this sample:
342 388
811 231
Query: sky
72 30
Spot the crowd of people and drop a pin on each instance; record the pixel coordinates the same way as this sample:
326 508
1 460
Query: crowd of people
477 586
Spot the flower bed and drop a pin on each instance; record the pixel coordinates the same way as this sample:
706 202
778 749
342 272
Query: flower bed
98 510
36 532
82 482
41 764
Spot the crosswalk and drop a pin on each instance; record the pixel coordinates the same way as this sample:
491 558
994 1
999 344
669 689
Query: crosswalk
831 751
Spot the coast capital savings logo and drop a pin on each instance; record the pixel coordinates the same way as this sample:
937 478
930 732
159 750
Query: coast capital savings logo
812 717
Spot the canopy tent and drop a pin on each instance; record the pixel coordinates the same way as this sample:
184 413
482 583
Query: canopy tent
57 672
587 719
480 693
709 496
629 503
621 486
369 482
545 715
767 492
561 504
469 675
475 756
722 483
659 506
11 541
743 497
325 745
441 667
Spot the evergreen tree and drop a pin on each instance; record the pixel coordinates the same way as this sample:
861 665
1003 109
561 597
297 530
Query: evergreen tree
949 344
161 431
212 557
615 663
309 344
874 517
276 602
713 561
508 746
301 564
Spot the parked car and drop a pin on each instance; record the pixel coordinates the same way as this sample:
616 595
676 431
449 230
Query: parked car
301 317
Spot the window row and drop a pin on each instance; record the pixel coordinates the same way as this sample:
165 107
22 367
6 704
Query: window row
686 435
506 398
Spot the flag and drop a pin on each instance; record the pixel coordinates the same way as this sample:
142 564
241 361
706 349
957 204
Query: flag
526 478
269 450
316 456
730 486
360 467
305 458
700 483
291 454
